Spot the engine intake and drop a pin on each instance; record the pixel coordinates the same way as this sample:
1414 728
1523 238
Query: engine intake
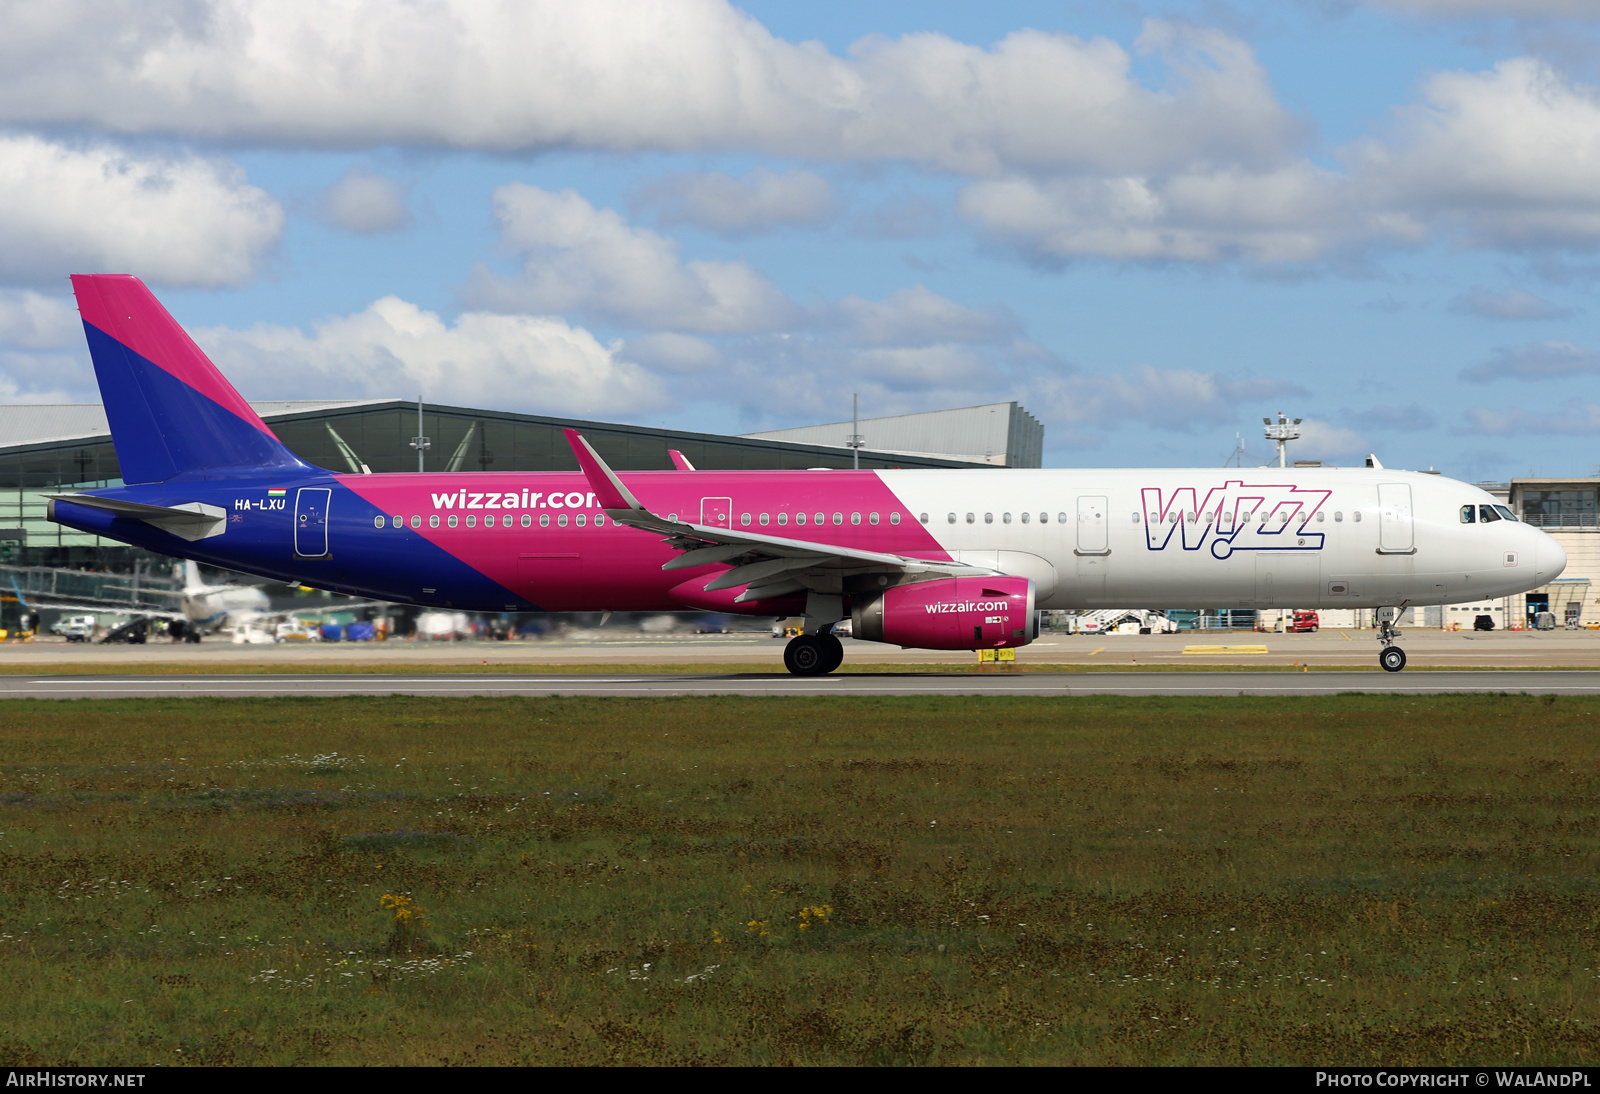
951 613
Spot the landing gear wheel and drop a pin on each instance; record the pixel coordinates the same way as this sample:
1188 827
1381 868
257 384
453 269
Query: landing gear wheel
833 650
807 655
1393 659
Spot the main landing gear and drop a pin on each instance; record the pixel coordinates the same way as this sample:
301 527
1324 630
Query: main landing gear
1391 657
813 654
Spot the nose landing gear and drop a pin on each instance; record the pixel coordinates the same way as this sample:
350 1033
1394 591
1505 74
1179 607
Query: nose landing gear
813 654
1391 657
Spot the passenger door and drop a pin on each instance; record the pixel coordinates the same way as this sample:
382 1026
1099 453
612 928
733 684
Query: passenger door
311 521
1395 534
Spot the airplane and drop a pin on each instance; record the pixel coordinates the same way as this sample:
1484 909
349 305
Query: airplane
931 559
214 604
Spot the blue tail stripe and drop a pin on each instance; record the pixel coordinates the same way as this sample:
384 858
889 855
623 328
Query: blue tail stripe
164 429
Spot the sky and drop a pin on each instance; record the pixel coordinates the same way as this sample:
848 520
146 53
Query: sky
1151 223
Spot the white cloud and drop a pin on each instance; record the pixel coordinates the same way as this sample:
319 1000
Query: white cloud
46 378
762 200
1509 304
1176 399
1536 361
676 75
35 321
96 208
394 347
1514 9
365 203
1324 441
1293 214
1506 158
1576 416
917 316
588 260
669 352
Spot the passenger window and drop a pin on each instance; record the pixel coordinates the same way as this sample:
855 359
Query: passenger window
1469 514
1044 518
527 520
452 521
599 520
988 518
1061 518
766 519
377 522
971 519
562 520
1487 513
894 518
783 519
544 520
1005 518
744 519
1338 517
472 521
488 521
820 518
873 518
398 522
433 521
1356 516
416 522
800 519
580 520
855 518
1321 517
1025 517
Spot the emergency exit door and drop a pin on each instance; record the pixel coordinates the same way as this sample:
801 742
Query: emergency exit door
1092 535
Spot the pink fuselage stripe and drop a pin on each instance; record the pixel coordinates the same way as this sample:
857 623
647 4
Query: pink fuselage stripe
120 306
590 569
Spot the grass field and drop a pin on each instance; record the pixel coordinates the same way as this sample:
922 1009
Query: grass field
1359 880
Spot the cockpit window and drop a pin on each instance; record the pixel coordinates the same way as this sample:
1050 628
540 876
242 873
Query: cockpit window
1506 512
1487 513
1469 514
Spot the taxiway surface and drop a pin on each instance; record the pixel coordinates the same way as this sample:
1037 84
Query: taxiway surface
113 686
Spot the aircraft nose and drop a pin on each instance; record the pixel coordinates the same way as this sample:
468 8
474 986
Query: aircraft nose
1550 558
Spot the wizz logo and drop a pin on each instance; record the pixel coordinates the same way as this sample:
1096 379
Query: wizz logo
1233 517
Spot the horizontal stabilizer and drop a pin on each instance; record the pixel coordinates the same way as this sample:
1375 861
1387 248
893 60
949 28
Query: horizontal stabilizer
191 521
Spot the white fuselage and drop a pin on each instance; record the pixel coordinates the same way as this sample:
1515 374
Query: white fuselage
1269 537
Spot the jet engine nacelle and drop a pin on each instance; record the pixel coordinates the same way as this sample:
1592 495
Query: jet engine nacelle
952 613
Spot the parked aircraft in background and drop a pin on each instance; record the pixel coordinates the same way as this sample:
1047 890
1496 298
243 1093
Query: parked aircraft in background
938 559
215 604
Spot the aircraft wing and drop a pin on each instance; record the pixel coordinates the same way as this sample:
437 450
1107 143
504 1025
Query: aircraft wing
769 565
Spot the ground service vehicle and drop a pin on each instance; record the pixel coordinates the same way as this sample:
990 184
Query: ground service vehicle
1305 623
937 559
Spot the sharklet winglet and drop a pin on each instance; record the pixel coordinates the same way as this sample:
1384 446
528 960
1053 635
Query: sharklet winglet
608 489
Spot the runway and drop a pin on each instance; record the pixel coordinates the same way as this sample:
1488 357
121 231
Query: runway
1197 684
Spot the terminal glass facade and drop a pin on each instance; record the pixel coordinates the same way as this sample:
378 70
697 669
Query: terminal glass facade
1567 508
379 435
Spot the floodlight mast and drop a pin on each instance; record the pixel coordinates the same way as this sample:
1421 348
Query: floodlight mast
855 442
1282 432
419 442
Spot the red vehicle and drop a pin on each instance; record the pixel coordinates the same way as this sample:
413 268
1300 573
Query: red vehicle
1304 623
